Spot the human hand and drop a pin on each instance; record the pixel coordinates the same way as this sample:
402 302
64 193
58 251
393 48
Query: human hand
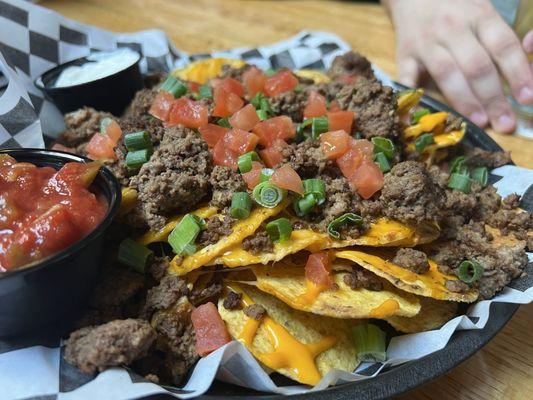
463 45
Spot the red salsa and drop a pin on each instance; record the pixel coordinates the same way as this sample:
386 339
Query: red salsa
43 211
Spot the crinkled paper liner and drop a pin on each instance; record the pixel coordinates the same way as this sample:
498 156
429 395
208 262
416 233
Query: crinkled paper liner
36 368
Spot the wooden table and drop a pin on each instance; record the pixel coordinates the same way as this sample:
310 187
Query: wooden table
504 368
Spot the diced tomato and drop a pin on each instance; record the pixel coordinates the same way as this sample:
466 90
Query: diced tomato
246 118
252 177
274 128
334 106
254 80
349 162
272 156
341 120
226 103
211 332
224 156
318 268
283 81
239 141
60 147
212 133
101 147
230 85
365 147
113 131
194 87
287 178
161 106
335 143
188 112
367 179
315 106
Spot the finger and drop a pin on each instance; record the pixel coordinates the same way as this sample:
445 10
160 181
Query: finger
408 71
452 83
505 48
527 42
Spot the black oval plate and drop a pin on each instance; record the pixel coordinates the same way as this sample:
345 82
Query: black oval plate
412 374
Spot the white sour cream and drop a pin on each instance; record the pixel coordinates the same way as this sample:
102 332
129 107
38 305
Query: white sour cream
101 64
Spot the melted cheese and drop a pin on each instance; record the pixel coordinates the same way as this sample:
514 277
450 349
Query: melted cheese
203 70
315 76
312 290
426 124
128 200
442 140
408 99
385 309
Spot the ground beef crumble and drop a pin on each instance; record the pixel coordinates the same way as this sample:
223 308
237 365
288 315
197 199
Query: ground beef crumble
170 289
350 64
141 103
255 311
359 278
290 103
411 259
225 182
216 229
233 301
259 243
81 125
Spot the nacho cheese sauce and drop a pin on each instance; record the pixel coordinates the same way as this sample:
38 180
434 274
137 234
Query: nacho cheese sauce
100 65
43 211
288 353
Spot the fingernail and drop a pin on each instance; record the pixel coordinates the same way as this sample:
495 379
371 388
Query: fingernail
505 123
525 95
479 118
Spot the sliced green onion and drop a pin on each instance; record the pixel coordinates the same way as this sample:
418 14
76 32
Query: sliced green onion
319 126
279 230
370 343
174 86
383 145
205 92
460 182
304 205
256 100
317 188
298 89
424 141
358 135
271 72
104 123
224 122
419 114
382 161
345 219
183 236
264 105
262 114
267 195
135 159
245 161
481 175
241 205
470 271
458 164
137 141
134 255
265 174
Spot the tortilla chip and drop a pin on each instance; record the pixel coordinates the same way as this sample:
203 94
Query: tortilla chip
289 285
305 328
408 99
430 284
433 315
241 230
314 75
442 140
203 70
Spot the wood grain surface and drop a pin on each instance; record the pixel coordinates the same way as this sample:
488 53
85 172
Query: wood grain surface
501 370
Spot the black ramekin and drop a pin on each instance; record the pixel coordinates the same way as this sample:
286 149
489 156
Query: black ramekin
111 93
51 291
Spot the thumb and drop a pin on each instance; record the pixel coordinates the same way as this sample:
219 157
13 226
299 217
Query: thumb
408 71
527 42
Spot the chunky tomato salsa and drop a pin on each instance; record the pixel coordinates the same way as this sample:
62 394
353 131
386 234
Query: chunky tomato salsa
43 211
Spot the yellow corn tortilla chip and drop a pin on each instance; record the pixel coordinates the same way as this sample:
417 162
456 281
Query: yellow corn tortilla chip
433 314
203 70
430 284
289 285
442 140
308 345
314 75
426 124
408 99
241 230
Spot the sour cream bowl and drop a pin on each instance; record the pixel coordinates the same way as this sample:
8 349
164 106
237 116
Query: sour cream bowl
105 81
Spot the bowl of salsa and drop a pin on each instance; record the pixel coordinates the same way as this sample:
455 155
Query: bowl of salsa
55 208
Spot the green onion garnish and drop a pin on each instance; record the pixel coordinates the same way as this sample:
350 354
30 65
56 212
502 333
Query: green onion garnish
319 125
424 141
265 174
205 92
262 114
369 342
481 175
383 145
345 219
268 195
174 86
458 165
304 205
382 161
256 100
137 141
245 161
415 118
241 204
183 236
317 188
134 255
135 159
104 123
264 105
271 72
460 182
279 230
224 122
470 271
